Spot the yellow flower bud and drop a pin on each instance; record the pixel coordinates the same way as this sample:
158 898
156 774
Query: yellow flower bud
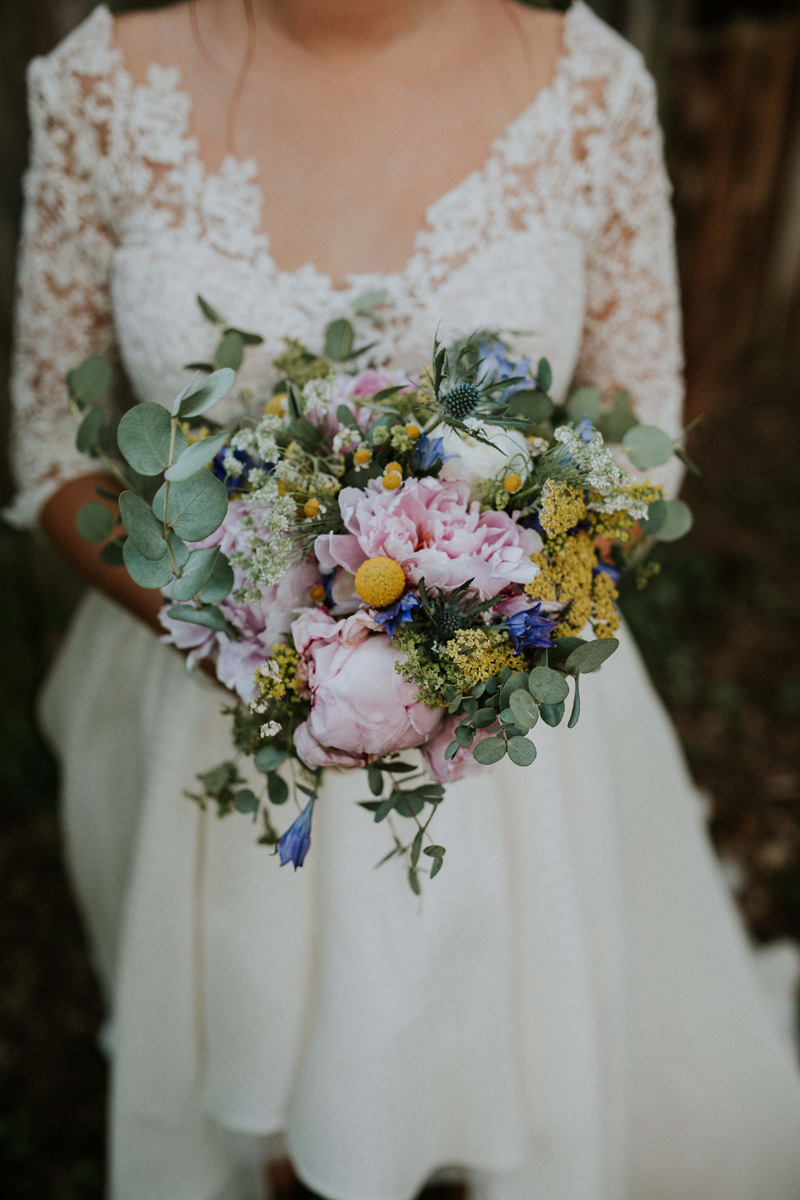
413 432
362 456
392 480
393 467
311 507
316 594
276 405
380 581
512 484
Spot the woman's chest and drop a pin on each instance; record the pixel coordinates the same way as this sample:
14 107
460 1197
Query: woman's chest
527 283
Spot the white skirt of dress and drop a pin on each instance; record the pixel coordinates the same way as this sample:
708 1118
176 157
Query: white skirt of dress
569 1012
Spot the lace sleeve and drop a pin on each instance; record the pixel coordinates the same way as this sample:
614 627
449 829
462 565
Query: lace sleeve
632 331
63 308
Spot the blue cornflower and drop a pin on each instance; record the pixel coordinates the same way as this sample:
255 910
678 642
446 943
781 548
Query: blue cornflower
398 613
429 453
293 846
585 430
234 483
531 627
606 568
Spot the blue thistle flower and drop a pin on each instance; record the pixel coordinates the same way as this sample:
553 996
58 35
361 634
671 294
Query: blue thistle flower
529 628
399 613
293 845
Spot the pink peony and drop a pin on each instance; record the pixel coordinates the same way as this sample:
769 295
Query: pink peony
360 707
430 527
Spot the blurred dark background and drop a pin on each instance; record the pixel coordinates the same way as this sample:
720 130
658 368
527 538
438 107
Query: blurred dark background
718 627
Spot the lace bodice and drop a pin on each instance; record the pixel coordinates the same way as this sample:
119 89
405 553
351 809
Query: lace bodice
565 233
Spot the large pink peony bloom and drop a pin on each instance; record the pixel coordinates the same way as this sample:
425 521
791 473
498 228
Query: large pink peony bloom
430 527
360 706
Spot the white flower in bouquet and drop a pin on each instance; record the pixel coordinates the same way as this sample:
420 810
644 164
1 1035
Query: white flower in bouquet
473 460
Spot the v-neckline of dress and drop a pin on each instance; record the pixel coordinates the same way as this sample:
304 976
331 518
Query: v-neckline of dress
168 79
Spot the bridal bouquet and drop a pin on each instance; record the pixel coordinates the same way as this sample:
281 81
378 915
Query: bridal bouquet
376 564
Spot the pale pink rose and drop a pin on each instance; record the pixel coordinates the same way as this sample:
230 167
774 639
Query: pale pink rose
430 527
360 707
445 770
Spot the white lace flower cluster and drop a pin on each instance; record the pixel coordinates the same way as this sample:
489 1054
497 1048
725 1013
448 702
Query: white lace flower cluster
600 474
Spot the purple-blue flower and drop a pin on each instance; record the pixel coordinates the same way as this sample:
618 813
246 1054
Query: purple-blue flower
429 453
607 569
531 627
585 430
293 846
398 613
234 483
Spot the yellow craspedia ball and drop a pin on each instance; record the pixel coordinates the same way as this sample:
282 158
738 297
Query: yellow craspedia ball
512 484
276 405
380 581
362 456
311 507
392 480
316 594
414 432
393 468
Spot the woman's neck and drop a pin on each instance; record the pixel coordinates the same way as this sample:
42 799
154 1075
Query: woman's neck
339 26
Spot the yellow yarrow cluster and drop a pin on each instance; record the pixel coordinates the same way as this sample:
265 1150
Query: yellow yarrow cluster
476 654
380 581
562 508
566 573
278 675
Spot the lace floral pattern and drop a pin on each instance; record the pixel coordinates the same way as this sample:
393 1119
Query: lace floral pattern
567 225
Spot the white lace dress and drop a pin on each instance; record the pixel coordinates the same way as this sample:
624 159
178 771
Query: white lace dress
570 1012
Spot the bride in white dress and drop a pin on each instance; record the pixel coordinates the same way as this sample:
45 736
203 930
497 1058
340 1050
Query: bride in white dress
570 1012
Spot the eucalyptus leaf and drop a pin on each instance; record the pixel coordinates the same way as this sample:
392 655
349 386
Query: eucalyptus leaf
375 780
591 656
196 507
484 717
584 402
248 339
677 521
245 801
544 375
205 395
95 522
647 446
209 616
489 751
144 437
220 581
531 406
90 430
434 851
552 714
89 382
277 789
269 758
416 848
142 526
195 457
524 708
414 881
576 704
547 685
339 340
111 554
195 575
144 571
230 351
656 516
210 313
521 751
364 304
451 751
438 863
